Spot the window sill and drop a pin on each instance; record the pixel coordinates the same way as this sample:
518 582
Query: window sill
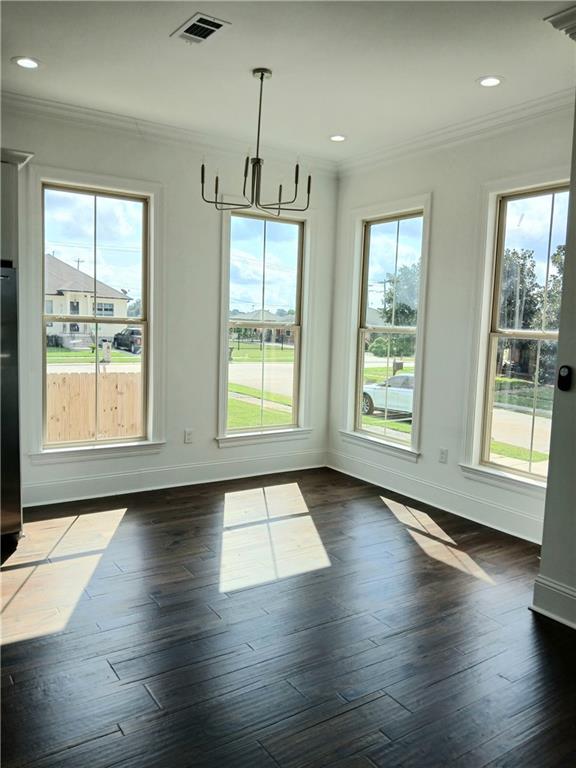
90 452
394 449
502 479
248 438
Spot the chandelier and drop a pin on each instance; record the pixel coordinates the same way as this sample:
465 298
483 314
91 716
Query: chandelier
253 199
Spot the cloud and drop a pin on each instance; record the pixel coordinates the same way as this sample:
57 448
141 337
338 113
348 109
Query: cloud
70 230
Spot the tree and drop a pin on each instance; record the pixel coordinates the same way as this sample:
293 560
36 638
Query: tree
401 297
554 288
135 308
394 345
521 298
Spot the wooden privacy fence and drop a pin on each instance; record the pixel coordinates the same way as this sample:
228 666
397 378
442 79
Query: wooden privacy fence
71 406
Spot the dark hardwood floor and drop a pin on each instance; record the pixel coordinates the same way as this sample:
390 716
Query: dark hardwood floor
300 619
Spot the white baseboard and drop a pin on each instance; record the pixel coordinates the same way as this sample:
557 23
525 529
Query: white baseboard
89 486
488 513
555 600
155 478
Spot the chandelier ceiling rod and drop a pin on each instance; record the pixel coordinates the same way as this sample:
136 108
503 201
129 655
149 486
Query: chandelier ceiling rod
254 200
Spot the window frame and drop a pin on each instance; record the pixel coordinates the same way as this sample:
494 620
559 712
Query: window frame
493 331
227 436
142 320
420 208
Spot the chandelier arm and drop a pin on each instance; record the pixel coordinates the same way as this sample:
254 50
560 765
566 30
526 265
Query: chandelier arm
225 202
281 202
224 206
221 205
286 208
300 209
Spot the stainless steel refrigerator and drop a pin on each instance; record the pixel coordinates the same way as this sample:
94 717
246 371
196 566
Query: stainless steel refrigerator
11 507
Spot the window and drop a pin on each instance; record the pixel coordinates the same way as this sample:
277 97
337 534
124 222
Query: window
105 309
389 327
529 266
263 343
95 269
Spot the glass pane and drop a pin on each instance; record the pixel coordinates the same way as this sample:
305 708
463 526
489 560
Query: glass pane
281 271
534 231
522 396
70 382
260 379
119 256
120 389
386 398
394 255
556 265
278 379
246 268
68 252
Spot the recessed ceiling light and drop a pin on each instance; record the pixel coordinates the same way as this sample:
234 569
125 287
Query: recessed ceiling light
26 62
490 81
337 137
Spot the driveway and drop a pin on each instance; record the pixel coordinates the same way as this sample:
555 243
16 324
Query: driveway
277 376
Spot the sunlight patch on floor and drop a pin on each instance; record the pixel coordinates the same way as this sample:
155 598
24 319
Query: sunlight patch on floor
434 541
45 578
268 535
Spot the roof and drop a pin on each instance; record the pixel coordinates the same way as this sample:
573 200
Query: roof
263 316
60 277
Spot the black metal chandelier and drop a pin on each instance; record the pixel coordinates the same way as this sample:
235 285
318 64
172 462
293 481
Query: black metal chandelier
253 200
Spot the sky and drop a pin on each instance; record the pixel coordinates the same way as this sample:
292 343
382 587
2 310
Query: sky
255 264
69 235
405 234
528 226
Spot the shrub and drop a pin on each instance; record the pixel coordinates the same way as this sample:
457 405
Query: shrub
379 347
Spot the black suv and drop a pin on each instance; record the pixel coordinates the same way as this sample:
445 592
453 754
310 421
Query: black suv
130 339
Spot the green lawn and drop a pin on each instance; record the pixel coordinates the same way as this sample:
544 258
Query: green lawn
377 421
516 452
381 373
252 353
518 392
80 356
272 397
242 415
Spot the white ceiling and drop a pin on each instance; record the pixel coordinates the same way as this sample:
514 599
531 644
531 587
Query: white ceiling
381 73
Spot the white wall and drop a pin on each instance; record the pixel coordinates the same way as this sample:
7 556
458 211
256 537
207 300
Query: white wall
460 180
190 254
463 181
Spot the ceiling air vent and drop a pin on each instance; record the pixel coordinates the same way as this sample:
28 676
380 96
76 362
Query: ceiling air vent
199 28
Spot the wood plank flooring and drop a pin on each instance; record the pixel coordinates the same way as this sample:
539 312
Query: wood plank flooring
292 620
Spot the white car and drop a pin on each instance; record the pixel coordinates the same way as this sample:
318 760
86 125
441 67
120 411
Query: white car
394 394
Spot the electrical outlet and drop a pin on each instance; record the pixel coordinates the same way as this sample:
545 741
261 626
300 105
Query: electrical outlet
443 456
188 435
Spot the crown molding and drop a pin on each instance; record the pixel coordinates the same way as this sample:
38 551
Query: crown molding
564 21
16 157
469 130
31 106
